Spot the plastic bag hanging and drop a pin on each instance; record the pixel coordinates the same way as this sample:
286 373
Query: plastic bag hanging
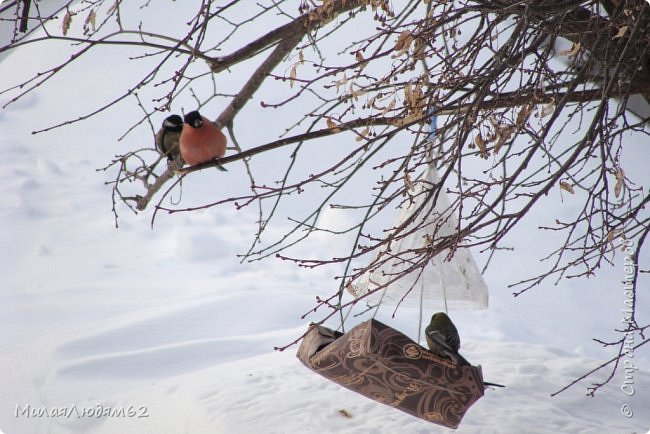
442 284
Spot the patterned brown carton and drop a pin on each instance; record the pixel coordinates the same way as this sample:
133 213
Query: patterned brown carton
387 366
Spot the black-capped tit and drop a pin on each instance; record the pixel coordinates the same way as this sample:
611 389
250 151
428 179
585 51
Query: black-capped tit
167 139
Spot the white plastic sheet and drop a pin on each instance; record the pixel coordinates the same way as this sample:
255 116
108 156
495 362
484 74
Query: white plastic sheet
454 284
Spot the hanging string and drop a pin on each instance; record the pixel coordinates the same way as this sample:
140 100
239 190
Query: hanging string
421 308
444 295
430 166
381 299
430 138
344 318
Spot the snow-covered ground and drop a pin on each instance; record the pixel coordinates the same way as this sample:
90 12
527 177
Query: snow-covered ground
165 328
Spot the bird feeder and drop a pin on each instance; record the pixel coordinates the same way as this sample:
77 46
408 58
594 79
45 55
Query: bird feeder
385 365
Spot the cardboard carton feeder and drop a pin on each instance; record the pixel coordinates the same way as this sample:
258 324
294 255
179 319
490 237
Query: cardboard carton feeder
387 366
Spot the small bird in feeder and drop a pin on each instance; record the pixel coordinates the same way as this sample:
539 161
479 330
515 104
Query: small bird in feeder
441 334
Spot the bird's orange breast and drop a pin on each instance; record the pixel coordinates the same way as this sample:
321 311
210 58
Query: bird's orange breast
199 145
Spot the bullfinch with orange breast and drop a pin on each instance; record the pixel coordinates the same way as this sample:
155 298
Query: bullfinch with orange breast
201 140
167 140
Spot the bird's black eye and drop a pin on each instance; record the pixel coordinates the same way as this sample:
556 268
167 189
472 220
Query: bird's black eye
198 123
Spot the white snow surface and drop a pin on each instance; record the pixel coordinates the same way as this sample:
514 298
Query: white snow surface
166 324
